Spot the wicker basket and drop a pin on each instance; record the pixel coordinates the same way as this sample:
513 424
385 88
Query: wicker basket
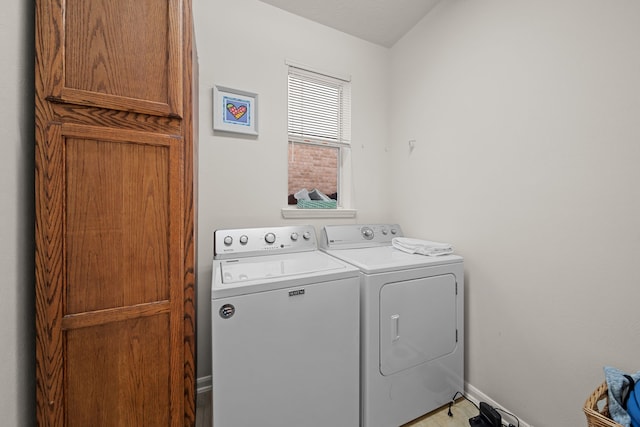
597 418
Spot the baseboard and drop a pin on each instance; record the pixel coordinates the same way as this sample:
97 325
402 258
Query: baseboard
476 396
203 384
204 404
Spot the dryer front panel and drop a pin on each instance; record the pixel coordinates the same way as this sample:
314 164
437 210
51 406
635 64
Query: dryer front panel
417 322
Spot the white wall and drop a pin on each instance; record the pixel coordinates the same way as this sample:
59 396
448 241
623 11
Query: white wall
17 318
526 117
243 181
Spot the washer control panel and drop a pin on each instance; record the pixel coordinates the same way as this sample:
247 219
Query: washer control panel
358 235
243 242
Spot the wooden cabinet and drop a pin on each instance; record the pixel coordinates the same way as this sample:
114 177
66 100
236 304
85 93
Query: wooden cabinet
115 213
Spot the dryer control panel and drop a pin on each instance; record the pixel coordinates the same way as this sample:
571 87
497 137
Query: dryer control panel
244 242
358 235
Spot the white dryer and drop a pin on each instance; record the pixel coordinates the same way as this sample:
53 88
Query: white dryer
412 323
285 331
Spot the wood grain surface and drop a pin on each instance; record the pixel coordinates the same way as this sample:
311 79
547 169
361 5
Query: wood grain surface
115 213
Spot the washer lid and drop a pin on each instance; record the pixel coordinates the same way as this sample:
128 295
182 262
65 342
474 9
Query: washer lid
387 258
275 266
257 274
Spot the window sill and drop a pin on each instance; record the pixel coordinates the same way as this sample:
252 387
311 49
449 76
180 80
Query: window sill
294 213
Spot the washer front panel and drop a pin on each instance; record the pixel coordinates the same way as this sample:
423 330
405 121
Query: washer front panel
287 357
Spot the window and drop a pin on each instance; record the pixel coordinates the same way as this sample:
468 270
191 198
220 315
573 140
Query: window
319 131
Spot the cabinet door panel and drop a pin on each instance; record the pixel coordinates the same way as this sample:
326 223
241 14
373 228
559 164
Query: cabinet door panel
117 224
117 375
119 231
119 54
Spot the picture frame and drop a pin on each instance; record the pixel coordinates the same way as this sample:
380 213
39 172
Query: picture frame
235 110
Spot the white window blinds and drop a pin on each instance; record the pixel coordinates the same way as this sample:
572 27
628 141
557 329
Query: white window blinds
319 108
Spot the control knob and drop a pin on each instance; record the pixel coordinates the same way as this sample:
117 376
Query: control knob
294 236
270 238
367 233
228 240
244 239
306 235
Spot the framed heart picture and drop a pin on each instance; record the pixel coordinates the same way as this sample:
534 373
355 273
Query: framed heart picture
235 110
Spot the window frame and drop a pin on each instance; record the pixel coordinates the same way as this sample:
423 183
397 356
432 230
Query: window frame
342 140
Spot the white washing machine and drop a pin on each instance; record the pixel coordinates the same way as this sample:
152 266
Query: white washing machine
285 331
412 323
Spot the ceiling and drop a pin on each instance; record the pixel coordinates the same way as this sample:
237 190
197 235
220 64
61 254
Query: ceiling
382 22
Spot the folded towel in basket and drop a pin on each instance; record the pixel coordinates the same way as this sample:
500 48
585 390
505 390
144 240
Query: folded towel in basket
421 247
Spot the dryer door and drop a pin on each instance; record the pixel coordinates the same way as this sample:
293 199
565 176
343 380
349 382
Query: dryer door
417 322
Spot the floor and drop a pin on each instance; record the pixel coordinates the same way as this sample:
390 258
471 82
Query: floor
462 411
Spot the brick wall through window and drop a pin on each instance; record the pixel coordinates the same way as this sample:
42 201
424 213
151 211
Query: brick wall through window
313 166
